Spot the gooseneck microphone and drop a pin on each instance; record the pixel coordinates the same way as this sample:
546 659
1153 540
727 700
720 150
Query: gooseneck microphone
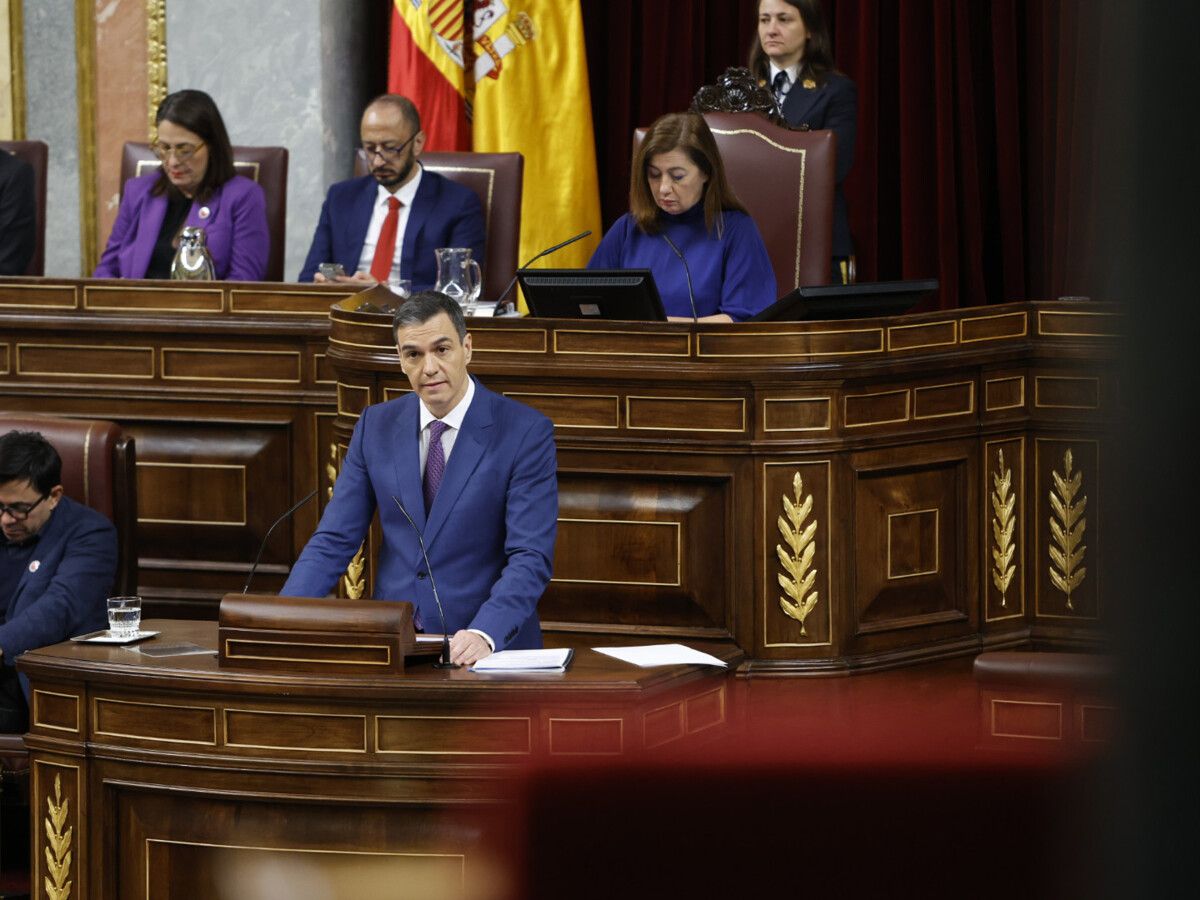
687 272
546 252
444 662
263 545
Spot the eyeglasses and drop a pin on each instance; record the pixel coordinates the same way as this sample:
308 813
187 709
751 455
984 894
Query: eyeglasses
19 512
387 152
183 152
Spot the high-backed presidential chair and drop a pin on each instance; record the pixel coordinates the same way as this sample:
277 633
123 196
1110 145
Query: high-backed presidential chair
98 470
266 165
37 154
785 179
498 180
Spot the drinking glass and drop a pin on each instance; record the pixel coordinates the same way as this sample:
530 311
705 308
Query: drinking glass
124 616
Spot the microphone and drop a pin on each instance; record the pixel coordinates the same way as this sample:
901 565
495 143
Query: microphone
263 545
687 272
444 662
545 252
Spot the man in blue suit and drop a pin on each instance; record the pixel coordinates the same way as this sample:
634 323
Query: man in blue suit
385 226
58 561
476 472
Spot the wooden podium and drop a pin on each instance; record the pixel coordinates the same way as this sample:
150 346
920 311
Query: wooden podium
158 777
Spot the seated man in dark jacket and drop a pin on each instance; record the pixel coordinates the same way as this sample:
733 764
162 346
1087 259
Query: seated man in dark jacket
18 215
58 561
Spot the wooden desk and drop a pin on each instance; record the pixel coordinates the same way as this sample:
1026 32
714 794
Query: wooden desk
153 775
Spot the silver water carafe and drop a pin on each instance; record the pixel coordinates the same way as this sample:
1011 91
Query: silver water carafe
192 260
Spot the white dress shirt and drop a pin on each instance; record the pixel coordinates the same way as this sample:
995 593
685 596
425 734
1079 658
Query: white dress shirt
405 195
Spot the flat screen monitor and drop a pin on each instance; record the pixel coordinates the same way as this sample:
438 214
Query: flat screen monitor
628 294
862 300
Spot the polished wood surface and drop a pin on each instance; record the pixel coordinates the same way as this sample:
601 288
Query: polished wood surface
156 774
935 458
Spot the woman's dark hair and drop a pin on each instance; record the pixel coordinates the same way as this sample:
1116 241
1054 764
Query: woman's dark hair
690 133
196 111
27 456
818 52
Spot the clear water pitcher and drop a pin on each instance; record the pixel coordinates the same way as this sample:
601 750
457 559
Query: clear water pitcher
459 277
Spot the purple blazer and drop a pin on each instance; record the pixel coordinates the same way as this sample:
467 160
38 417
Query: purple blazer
235 226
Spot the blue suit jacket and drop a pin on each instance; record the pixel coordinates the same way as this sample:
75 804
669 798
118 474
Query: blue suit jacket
443 214
76 567
489 535
235 230
833 105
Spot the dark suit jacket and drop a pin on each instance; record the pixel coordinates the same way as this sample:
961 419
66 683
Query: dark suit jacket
76 568
833 105
443 214
18 215
234 220
489 535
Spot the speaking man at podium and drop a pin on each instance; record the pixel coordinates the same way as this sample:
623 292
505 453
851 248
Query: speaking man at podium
476 473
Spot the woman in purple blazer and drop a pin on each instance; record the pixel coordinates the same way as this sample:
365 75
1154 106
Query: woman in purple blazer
195 187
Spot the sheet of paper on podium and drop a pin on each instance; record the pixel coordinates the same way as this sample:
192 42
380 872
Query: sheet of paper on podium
661 655
547 660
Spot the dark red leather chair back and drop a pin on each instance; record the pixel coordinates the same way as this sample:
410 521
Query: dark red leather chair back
498 180
37 154
267 166
786 180
99 469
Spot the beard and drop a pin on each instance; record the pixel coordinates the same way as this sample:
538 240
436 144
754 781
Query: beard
389 177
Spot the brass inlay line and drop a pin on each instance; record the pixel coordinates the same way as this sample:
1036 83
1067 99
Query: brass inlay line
800 575
96 701
969 385
953 323
1030 737
620 734
343 387
245 354
74 373
878 332
738 400
36 716
613 397
687 337
678 526
846 398
720 692
303 715
344 343
680 721
1037 392
387 652
170 288
324 314
528 736
828 401
963 339
767 559
1048 313
181 465
537 331
937 549
22 289
1020 379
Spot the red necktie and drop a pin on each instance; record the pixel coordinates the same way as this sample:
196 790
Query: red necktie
381 265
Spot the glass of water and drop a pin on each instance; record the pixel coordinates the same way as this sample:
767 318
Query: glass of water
124 616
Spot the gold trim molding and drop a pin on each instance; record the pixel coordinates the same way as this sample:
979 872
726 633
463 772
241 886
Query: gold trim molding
16 58
156 59
85 96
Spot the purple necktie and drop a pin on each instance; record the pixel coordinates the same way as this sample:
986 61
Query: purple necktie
435 462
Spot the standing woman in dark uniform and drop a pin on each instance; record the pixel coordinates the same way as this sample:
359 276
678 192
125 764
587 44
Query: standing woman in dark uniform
793 56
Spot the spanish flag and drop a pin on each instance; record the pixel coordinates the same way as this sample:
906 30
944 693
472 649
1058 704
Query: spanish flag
532 96
425 64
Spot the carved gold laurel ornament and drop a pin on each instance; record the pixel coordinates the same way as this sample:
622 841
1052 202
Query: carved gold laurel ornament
1004 520
58 846
353 583
797 557
1067 527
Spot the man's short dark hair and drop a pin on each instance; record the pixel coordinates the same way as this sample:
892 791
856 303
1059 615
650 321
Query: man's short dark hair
27 456
423 306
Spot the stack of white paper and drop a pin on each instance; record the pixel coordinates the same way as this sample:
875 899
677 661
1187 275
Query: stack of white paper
524 661
661 655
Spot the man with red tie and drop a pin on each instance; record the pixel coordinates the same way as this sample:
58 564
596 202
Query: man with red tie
384 226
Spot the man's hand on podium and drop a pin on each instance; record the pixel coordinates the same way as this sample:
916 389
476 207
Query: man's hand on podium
467 648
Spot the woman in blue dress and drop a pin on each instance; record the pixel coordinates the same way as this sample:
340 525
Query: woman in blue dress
680 204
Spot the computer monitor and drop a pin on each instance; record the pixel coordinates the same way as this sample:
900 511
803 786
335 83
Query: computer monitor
862 300
628 294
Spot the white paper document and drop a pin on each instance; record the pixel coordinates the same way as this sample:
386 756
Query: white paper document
661 655
525 661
